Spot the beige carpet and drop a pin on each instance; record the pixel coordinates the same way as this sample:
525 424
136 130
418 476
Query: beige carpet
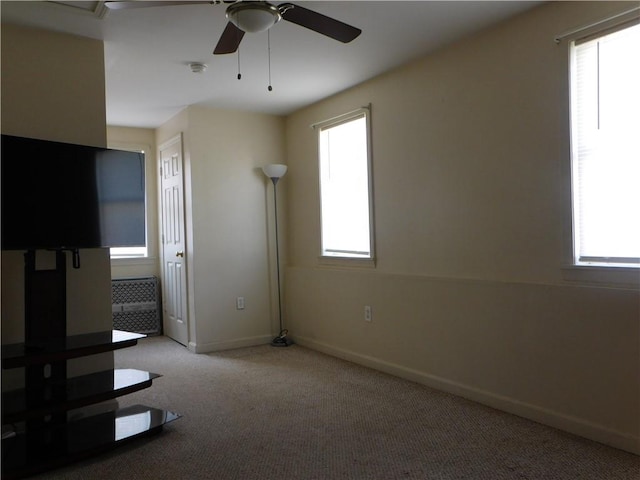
292 413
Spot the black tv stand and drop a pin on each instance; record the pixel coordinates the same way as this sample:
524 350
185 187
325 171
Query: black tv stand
42 426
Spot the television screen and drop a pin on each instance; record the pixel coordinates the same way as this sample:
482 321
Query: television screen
59 195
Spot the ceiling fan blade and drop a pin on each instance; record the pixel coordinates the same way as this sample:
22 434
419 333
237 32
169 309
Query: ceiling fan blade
318 22
229 40
140 4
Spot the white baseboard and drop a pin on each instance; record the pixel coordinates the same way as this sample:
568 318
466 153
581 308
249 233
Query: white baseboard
574 425
229 344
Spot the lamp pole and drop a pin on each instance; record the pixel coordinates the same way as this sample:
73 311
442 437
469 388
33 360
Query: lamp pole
275 211
275 172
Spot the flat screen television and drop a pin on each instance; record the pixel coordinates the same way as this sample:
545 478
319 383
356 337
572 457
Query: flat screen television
63 196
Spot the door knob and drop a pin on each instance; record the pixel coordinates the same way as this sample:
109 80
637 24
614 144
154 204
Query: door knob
180 254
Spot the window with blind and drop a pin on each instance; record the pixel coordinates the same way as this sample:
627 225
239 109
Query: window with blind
605 147
137 218
345 187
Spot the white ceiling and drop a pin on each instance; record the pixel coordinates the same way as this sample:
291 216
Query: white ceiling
148 51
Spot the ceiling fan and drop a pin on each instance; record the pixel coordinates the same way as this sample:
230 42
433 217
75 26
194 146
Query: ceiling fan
257 16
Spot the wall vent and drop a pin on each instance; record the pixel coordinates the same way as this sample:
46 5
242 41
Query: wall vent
135 304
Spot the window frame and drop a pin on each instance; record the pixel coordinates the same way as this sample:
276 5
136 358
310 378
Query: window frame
573 270
148 172
338 259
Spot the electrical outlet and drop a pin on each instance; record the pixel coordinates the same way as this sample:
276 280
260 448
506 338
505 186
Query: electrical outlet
240 303
368 315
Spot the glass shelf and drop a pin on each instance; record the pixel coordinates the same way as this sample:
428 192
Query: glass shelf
56 349
28 453
73 393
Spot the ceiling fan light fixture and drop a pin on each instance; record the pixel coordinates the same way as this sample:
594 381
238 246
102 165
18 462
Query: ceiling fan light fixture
253 16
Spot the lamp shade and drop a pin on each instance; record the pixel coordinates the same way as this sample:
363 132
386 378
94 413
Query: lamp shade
275 170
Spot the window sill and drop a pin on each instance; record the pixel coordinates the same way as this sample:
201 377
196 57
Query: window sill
606 275
346 261
133 261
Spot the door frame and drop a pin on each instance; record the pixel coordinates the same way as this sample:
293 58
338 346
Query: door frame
176 139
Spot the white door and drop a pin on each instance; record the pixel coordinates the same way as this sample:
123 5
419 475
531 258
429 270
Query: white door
173 270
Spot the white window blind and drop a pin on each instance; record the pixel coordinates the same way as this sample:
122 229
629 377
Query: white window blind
345 188
605 97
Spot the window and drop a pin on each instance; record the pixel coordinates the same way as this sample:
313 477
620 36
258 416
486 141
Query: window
140 251
128 252
345 186
605 148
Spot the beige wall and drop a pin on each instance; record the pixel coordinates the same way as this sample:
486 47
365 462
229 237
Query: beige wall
227 202
43 73
470 155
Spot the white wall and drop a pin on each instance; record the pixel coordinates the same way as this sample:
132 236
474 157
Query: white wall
228 254
469 294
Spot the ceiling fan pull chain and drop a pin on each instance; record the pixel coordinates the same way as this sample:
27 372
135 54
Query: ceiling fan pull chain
238 35
270 88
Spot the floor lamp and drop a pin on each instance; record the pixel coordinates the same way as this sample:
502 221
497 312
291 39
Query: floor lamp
275 172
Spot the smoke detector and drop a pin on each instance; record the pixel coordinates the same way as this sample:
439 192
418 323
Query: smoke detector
197 67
